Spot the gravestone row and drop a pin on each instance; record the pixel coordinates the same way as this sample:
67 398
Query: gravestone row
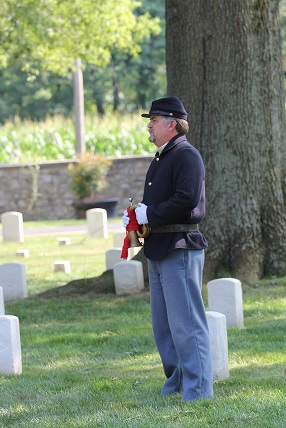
12 286
13 228
10 344
13 283
224 295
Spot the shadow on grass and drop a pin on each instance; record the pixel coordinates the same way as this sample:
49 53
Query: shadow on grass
103 284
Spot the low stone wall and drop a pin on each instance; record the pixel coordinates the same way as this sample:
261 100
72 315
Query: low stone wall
43 191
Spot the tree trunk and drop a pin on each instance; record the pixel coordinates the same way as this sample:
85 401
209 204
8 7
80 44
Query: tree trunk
98 93
224 62
115 85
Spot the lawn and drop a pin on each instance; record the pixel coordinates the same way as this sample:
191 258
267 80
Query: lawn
92 362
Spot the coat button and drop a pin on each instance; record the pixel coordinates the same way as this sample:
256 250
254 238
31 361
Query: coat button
150 183
157 159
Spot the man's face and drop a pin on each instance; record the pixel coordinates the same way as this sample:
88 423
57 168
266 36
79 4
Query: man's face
158 130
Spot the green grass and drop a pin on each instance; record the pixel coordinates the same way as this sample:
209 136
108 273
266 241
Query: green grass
54 223
93 363
44 251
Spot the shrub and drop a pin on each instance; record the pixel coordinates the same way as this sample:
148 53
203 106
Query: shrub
89 174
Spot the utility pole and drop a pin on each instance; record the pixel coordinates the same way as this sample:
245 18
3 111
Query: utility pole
79 108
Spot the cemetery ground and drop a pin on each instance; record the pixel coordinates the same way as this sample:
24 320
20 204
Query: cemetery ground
90 360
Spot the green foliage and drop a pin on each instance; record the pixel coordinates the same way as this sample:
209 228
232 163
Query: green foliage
125 83
25 95
57 32
89 174
54 138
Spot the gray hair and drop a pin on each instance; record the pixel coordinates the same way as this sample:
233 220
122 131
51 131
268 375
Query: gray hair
182 126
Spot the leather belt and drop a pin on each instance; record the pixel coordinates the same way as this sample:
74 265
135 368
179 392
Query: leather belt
171 228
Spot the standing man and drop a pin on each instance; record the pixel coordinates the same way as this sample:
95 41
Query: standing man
173 205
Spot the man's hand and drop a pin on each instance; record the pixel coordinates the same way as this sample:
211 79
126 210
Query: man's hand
141 213
125 218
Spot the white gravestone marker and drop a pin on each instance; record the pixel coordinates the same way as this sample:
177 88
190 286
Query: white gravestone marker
10 345
12 226
225 296
2 306
112 257
219 346
133 251
62 266
23 253
13 281
97 223
64 241
118 239
128 277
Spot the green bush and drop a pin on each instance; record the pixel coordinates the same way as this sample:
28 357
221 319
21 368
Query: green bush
89 174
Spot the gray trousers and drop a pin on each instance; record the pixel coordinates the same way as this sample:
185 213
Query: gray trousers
179 323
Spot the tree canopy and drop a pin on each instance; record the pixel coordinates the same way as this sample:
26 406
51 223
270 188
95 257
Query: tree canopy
126 82
55 32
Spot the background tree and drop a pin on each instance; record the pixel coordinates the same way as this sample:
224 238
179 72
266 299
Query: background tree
225 63
132 80
55 32
25 95
140 79
282 9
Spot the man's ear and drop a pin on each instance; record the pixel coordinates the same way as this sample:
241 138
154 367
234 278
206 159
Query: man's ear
172 125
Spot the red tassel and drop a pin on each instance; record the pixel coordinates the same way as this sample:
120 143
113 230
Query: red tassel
133 225
126 245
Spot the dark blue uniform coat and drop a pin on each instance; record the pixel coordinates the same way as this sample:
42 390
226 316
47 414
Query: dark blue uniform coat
174 193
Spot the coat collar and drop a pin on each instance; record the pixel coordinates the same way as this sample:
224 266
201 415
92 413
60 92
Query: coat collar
172 143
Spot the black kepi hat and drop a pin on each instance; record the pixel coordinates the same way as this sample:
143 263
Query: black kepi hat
170 107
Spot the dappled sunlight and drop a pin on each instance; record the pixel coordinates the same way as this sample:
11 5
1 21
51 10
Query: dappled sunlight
93 361
265 364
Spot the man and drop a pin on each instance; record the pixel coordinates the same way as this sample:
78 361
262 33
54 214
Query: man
173 205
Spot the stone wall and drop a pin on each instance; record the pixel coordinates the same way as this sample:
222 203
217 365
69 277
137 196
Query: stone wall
43 191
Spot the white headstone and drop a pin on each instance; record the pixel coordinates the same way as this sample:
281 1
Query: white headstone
118 239
23 253
12 226
10 345
2 306
225 296
128 277
97 223
112 256
219 346
133 251
13 281
64 241
62 266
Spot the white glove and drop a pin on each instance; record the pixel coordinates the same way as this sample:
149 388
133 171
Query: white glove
141 213
125 218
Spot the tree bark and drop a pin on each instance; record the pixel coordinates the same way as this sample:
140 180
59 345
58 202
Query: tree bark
224 61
